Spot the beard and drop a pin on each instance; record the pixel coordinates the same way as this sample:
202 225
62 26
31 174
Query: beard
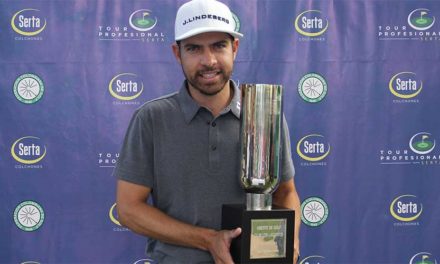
208 88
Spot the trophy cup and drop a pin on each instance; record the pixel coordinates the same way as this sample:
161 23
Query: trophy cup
267 233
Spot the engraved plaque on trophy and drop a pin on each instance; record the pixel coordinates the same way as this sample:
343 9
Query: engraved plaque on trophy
267 233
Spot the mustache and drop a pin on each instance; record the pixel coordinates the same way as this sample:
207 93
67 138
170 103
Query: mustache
209 69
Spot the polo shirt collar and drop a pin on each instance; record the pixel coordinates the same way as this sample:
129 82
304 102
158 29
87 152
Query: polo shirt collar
190 107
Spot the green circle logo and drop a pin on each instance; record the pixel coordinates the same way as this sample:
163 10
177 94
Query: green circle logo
421 19
142 20
28 216
237 22
312 88
28 88
314 211
422 143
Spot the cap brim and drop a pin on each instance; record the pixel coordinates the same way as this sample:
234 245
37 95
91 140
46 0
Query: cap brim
207 29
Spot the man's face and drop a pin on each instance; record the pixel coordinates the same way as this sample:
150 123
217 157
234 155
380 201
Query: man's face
207 60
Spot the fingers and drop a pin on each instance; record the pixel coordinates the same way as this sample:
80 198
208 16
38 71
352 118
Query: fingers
235 233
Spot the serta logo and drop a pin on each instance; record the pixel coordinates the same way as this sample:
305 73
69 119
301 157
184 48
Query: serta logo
405 208
28 150
112 215
421 143
405 85
316 259
125 86
420 19
311 23
27 22
142 20
313 147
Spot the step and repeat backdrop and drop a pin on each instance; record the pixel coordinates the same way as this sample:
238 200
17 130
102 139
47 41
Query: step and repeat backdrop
361 97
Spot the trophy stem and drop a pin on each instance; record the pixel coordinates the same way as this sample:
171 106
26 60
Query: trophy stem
258 201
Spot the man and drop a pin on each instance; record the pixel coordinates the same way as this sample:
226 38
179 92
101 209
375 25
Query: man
184 149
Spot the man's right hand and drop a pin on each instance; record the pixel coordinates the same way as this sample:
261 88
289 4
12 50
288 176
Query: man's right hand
220 244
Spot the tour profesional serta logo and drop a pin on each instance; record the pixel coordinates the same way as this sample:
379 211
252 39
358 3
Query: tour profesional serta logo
418 25
141 25
113 216
28 216
313 148
406 209
419 150
311 25
315 259
405 87
126 87
29 151
28 88
312 88
423 258
314 211
28 23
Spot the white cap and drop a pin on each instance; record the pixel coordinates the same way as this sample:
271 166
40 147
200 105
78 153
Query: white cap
200 16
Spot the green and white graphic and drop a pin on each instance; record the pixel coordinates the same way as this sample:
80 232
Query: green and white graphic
237 22
28 216
142 20
314 211
28 88
420 19
423 258
312 88
421 143
268 238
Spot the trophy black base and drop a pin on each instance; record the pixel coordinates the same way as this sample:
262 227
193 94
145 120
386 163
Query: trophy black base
266 237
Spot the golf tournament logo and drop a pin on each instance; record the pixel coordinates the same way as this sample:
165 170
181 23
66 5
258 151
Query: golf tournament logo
237 22
28 88
313 148
144 261
28 216
142 20
421 19
315 259
406 209
29 151
421 143
405 86
312 88
314 211
112 214
418 25
420 152
423 258
126 87
28 23
140 26
311 24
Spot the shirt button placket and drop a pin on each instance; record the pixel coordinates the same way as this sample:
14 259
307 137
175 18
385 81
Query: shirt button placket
213 142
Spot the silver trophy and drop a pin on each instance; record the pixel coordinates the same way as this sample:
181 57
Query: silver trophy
266 231
261 115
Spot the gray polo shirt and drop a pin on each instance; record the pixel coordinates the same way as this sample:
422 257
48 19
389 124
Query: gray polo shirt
190 160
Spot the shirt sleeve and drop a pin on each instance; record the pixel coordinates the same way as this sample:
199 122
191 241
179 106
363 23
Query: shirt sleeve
287 168
135 162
